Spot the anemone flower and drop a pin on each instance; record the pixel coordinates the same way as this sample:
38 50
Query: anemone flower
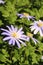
2 2
14 35
25 15
37 26
30 36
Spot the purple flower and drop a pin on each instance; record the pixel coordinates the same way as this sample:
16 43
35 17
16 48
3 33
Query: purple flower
30 35
25 15
37 26
14 35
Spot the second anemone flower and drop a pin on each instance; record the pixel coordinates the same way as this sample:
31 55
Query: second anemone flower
25 15
13 35
37 26
30 35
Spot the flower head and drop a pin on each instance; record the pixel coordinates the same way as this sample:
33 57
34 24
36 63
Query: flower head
2 2
25 15
30 35
37 26
14 35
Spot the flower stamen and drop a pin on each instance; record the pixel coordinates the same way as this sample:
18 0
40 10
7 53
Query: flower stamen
14 34
25 14
30 34
40 24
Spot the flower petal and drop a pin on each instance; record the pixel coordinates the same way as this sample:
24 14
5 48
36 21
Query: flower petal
34 40
20 15
10 41
35 32
32 28
6 38
13 42
22 42
25 39
41 34
5 33
12 28
9 28
2 2
5 30
16 29
18 44
20 29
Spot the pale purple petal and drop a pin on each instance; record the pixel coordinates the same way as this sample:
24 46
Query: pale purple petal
5 30
6 38
13 42
12 28
41 34
10 41
20 29
22 42
16 29
25 39
30 17
21 16
28 38
21 32
4 33
23 36
9 28
18 44
42 29
32 28
34 40
35 31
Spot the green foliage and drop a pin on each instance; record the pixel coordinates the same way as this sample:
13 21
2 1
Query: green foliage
31 54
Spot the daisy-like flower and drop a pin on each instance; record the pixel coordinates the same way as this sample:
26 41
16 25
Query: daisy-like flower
13 35
25 15
2 2
37 26
30 35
